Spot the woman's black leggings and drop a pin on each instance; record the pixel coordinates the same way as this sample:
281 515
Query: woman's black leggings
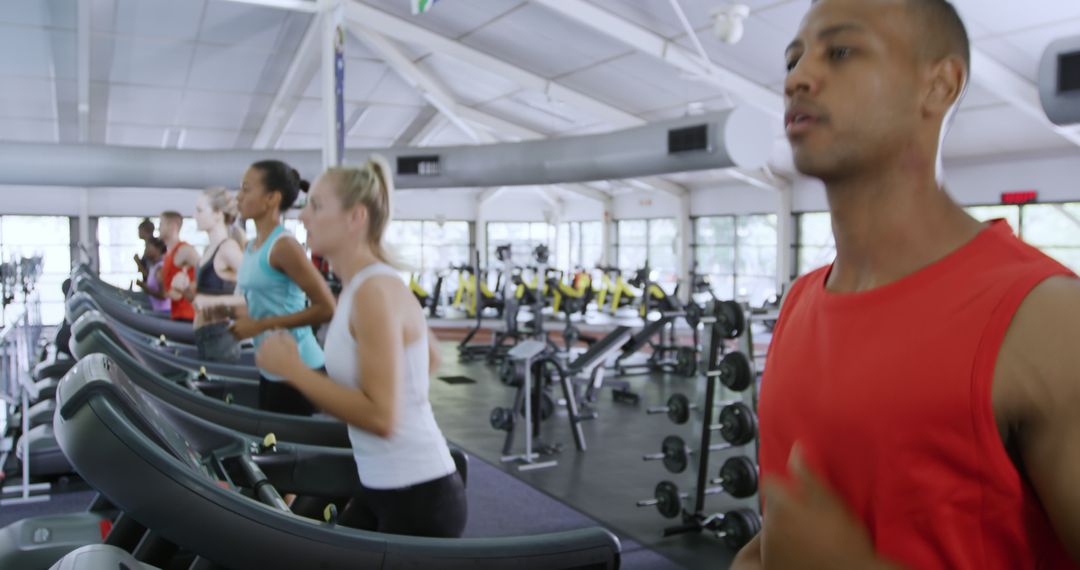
281 397
437 508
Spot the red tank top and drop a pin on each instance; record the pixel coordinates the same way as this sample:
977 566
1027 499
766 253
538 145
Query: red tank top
180 310
888 393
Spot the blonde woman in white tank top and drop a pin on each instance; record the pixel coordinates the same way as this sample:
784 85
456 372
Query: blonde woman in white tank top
380 355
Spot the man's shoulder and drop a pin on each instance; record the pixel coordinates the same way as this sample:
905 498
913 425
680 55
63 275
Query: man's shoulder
1039 352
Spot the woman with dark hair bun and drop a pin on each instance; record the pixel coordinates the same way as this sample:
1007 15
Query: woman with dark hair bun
277 280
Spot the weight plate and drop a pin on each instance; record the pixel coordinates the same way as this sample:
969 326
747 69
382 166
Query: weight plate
678 409
668 501
739 477
739 527
675 454
735 371
686 361
693 316
730 319
737 424
502 419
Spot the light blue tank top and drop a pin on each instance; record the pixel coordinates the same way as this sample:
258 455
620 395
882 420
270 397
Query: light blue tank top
270 293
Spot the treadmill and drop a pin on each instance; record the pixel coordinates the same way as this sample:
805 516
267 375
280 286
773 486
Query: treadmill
215 494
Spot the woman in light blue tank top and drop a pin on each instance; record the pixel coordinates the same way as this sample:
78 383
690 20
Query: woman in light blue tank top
380 358
277 280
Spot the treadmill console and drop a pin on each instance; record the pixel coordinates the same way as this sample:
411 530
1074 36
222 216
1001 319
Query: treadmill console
155 424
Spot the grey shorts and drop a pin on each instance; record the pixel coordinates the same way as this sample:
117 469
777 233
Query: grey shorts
216 344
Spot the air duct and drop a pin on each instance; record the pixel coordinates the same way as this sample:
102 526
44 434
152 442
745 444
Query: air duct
740 137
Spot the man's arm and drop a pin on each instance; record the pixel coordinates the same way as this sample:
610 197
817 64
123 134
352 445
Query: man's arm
749 558
1037 389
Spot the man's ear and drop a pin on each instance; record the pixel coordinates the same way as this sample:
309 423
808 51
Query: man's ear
947 81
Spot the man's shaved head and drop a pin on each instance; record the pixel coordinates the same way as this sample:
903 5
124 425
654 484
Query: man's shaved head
940 31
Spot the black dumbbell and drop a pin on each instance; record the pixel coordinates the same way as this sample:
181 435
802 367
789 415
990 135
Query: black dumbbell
677 409
737 424
502 419
676 454
741 482
734 371
735 528
738 477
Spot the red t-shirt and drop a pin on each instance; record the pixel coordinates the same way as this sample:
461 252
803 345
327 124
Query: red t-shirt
888 393
180 310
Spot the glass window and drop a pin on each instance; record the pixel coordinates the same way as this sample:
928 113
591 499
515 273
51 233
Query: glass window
631 249
738 255
428 245
118 244
814 246
580 245
664 249
1011 214
1054 229
522 237
49 236
755 253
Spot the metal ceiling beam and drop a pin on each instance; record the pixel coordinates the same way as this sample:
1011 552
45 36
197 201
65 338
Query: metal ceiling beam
763 179
403 30
586 191
302 68
417 126
83 70
310 6
1016 90
430 129
429 87
651 43
489 194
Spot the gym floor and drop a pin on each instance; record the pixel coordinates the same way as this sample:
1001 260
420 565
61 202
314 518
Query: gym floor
608 479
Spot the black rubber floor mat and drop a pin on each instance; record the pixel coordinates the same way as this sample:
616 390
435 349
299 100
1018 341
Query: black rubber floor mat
457 379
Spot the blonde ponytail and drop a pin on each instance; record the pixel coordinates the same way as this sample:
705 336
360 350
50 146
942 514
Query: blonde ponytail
372 186
224 201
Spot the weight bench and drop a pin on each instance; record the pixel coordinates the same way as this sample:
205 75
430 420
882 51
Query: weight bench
591 365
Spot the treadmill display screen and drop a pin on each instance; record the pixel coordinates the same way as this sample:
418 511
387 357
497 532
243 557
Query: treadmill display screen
155 423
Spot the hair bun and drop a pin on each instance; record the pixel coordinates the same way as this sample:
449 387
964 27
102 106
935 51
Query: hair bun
304 185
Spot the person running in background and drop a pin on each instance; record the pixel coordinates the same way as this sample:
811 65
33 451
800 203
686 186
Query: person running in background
178 267
154 256
146 233
215 276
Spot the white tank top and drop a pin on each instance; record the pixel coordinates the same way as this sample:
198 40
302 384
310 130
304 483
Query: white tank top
416 452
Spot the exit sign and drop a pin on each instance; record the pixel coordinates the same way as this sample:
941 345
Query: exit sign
1020 197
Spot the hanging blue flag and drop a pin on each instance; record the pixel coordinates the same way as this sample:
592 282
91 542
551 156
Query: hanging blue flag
421 6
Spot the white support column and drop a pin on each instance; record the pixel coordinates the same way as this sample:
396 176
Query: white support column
785 239
333 31
84 225
610 227
684 258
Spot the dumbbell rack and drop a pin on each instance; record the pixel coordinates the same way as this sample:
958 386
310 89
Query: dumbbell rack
695 516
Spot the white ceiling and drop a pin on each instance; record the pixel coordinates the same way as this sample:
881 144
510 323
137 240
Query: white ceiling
204 73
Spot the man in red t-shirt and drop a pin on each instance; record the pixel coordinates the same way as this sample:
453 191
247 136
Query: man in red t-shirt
178 269
920 401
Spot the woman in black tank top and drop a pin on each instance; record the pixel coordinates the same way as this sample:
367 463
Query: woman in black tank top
215 280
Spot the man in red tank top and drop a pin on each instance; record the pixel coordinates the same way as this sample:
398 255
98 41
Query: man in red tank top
178 269
920 406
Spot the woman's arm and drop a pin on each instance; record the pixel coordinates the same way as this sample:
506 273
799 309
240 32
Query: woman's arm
434 360
155 293
380 349
288 257
233 256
